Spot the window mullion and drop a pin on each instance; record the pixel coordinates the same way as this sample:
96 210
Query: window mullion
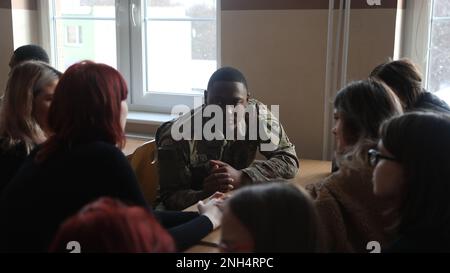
123 41
136 45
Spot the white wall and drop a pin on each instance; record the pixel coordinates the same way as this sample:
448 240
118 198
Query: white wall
25 27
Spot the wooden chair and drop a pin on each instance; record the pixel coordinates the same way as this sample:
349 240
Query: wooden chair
144 162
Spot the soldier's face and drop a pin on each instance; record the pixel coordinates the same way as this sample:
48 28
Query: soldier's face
226 94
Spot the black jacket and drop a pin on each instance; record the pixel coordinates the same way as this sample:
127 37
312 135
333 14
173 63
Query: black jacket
11 159
43 195
429 102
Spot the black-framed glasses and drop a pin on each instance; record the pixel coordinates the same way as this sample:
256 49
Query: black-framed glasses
375 156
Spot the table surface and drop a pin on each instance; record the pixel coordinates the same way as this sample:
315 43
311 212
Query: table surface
311 171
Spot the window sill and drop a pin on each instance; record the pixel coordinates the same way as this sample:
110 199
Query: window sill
147 118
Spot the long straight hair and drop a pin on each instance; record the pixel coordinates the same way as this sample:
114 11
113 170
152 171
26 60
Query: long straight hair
17 122
363 107
420 142
86 107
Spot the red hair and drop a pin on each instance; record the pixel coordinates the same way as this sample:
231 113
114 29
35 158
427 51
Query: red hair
86 107
109 226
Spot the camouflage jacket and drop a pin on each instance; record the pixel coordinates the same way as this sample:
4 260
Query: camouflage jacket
184 164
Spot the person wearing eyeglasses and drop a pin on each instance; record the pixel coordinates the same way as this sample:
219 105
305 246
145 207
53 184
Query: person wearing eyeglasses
270 218
412 171
350 212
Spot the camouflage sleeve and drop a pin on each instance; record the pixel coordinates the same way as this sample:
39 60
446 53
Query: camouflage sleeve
174 175
282 161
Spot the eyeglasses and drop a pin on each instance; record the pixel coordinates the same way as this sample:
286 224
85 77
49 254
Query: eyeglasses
375 156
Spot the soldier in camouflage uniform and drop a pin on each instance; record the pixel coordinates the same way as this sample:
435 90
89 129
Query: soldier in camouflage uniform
191 170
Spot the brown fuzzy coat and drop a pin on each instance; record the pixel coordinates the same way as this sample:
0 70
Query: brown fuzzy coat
351 215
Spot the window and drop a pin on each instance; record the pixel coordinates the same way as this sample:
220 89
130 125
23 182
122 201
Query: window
83 29
74 35
438 80
180 40
166 49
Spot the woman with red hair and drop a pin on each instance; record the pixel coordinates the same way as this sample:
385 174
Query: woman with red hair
109 226
80 163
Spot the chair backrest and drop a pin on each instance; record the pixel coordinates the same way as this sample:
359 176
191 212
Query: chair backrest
144 163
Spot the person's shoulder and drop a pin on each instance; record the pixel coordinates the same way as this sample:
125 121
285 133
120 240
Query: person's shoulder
319 190
349 181
164 136
429 101
256 102
264 112
335 184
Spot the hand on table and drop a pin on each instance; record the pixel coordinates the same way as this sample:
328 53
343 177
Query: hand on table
213 209
236 178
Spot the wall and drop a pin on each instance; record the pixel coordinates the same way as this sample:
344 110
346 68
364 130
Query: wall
25 22
6 42
19 25
281 46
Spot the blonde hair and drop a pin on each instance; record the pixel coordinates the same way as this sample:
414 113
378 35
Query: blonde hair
17 122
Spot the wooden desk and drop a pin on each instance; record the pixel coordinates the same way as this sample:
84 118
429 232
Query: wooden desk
311 171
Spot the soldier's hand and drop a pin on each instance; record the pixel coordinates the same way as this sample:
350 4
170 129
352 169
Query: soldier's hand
218 182
238 177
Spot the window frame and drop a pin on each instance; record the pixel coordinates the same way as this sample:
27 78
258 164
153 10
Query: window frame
416 35
78 32
430 21
131 59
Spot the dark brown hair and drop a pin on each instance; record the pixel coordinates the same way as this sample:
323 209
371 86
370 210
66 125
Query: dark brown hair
420 142
403 77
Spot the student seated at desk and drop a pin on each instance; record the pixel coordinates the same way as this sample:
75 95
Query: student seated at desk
270 218
194 167
81 162
404 78
109 226
413 172
24 114
350 212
